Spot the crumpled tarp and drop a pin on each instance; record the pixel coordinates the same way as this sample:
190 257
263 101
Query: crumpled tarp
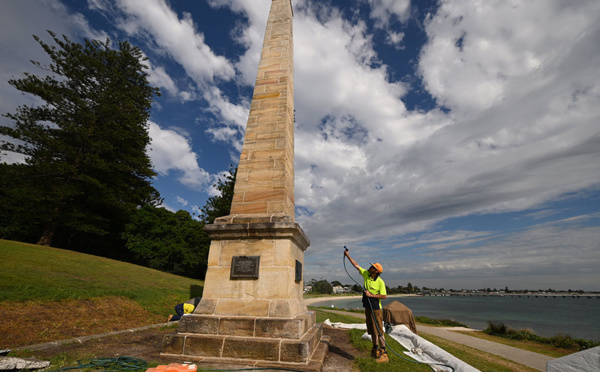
12 363
420 349
396 313
583 361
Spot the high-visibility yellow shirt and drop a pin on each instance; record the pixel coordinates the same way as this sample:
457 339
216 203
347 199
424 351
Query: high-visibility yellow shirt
376 287
188 308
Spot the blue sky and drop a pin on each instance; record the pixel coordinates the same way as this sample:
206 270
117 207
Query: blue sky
455 142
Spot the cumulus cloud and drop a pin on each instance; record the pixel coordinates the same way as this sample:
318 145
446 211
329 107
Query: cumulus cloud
383 11
477 50
179 36
171 151
516 125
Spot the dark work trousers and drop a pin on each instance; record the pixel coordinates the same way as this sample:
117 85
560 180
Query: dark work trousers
179 311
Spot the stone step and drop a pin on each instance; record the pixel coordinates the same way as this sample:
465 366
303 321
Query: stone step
239 349
293 328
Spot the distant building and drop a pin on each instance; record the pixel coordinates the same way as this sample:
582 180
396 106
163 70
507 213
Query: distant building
340 289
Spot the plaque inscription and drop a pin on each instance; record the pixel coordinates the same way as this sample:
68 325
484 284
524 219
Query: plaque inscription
245 267
298 271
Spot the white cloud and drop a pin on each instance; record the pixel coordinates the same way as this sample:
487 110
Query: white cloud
395 39
10 157
383 11
524 96
158 77
182 201
170 151
476 50
177 36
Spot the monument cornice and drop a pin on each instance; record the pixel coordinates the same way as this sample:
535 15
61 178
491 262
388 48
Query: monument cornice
259 230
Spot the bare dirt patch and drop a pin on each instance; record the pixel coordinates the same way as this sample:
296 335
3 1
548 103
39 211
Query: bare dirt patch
35 322
146 345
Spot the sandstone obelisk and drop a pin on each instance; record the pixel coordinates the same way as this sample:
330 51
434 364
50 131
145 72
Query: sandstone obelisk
252 311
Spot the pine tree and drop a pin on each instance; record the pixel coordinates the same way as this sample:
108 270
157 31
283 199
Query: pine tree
220 205
87 169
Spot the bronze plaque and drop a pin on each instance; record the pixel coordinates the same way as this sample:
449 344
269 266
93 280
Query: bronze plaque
245 267
298 271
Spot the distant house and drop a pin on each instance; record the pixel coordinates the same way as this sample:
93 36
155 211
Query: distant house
307 288
340 289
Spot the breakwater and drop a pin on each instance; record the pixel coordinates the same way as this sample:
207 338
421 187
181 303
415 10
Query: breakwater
528 295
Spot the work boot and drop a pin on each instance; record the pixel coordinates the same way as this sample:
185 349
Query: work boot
375 351
383 357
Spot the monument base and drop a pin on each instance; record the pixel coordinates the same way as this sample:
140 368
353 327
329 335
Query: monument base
261 342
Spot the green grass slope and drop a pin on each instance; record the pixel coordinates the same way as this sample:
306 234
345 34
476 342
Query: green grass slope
31 272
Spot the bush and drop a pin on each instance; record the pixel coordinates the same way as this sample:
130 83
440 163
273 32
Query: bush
440 322
496 329
560 340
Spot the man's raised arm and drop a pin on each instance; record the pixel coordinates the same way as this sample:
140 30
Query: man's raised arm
347 254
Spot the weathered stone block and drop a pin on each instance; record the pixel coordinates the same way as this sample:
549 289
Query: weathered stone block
260 82
257 308
275 102
173 344
236 326
254 247
253 186
204 346
280 309
249 208
206 306
295 352
262 145
199 324
273 195
266 96
275 283
278 207
301 351
270 173
214 253
280 328
251 348
267 110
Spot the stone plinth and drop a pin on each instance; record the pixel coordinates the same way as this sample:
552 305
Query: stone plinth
261 321
245 340
275 293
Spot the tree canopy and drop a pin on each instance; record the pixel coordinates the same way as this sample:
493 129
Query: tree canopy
220 205
175 242
167 241
86 167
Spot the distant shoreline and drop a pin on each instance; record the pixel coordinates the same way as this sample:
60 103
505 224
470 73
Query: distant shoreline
312 300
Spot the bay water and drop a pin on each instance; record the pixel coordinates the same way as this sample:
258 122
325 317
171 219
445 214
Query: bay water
545 316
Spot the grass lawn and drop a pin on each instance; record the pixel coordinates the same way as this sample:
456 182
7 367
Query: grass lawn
62 294
476 358
49 294
525 345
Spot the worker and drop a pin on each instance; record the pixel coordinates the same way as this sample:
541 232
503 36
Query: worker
185 308
374 292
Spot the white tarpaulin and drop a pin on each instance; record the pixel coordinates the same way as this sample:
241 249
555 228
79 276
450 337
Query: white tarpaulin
420 349
583 361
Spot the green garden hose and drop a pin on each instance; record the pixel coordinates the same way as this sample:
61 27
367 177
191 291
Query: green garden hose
125 363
